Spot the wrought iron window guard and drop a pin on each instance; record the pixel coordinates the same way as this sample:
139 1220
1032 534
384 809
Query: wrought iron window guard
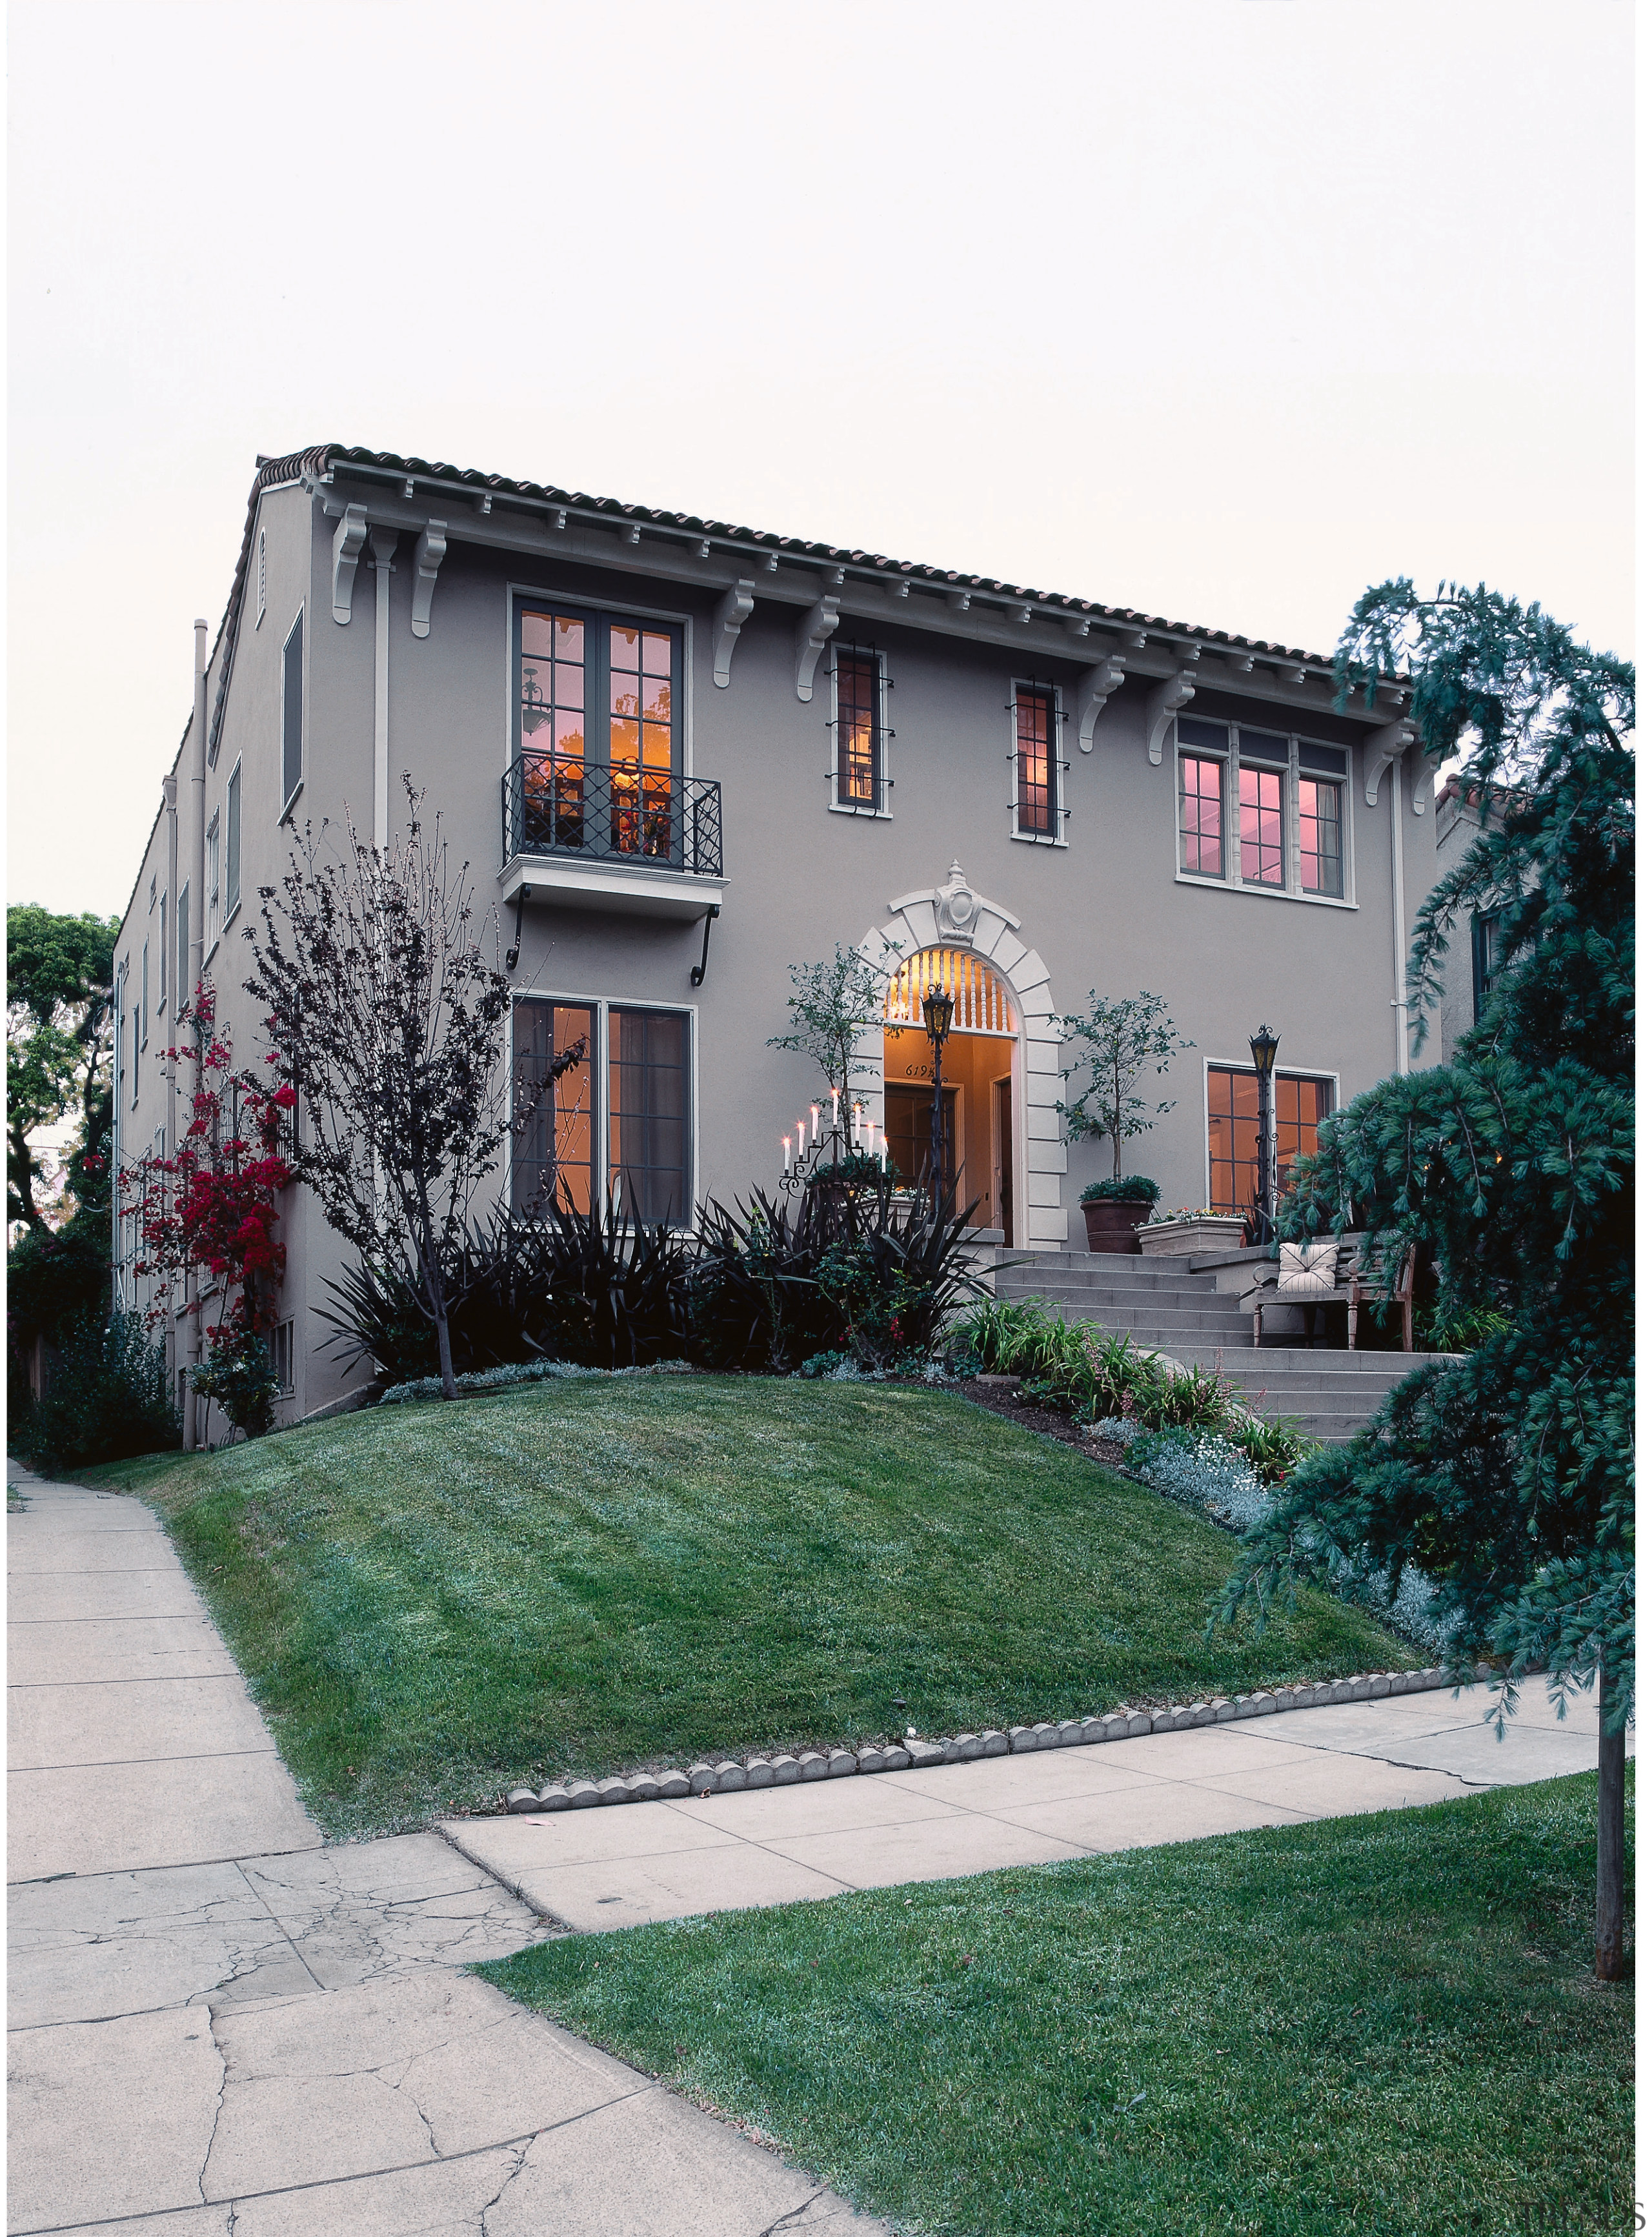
552 806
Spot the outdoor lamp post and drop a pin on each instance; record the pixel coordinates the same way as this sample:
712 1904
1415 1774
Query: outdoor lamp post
937 1023
1264 1046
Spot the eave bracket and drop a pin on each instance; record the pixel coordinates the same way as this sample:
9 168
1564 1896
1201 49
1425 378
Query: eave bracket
347 540
813 631
733 608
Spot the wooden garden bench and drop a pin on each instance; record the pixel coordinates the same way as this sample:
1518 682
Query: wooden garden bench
1350 1288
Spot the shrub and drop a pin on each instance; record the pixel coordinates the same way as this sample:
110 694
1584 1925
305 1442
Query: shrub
106 1400
238 1378
869 1272
1135 1188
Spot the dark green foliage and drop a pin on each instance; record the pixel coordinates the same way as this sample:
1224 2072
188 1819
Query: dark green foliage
867 1271
106 1400
592 1287
238 1378
1135 1188
1506 1477
1373 2027
59 971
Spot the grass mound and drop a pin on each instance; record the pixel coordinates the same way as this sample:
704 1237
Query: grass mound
431 1602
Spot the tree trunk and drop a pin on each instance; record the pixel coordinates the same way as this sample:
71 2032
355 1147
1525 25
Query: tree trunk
444 1349
1609 1851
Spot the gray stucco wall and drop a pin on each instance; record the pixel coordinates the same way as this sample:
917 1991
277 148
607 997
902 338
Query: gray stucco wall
1106 910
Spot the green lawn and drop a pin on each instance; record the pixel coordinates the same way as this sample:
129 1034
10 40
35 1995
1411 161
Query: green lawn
1386 2025
432 1601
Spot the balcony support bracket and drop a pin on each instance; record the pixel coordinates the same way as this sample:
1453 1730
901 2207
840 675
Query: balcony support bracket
697 975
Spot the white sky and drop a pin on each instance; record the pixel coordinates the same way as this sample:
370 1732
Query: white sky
1217 308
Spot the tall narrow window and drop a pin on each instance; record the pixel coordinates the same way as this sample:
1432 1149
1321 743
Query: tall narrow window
639 739
554 1148
162 993
1320 827
1035 759
1233 1127
183 946
1202 832
1262 827
858 730
292 713
137 1043
648 1106
214 865
262 576
1300 1106
143 999
233 844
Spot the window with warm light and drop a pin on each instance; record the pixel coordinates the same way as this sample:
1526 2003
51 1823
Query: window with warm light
1037 801
857 723
598 730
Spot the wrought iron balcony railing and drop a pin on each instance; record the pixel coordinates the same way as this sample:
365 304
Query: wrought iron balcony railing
650 817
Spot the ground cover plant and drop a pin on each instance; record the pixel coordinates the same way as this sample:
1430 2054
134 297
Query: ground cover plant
1385 2024
590 1575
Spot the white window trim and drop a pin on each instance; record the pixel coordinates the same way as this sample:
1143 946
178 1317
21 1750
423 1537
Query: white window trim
143 999
594 601
1247 1064
262 578
231 782
601 1003
281 735
161 999
214 851
1232 761
1058 838
881 778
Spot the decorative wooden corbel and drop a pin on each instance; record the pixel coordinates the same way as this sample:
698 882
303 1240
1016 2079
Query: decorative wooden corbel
1382 747
812 631
1163 703
347 540
428 555
733 608
1095 687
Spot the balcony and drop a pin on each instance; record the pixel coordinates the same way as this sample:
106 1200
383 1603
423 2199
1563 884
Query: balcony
645 843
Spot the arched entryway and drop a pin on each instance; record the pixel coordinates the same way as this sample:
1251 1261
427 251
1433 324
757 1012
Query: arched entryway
1011 1040
978 1147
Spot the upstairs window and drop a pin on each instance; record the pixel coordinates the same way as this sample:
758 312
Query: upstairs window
233 844
161 996
857 723
183 946
143 999
292 713
1261 808
213 855
598 730
1037 806
262 579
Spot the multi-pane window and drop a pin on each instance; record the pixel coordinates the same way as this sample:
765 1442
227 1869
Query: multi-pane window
184 946
598 731
1202 815
555 1140
281 1356
1035 770
161 996
1262 827
1486 933
143 999
1261 808
212 853
648 1112
859 730
1299 1107
233 844
292 713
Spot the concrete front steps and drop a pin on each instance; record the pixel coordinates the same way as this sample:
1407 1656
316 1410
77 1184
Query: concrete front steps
1189 1310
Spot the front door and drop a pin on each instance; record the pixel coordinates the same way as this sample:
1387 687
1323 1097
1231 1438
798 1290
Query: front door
1004 1161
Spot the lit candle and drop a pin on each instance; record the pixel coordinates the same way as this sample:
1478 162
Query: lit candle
785 1155
834 1109
883 1152
800 1141
814 1122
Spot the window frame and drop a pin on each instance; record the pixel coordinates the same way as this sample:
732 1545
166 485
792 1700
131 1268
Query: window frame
232 847
181 924
212 929
290 795
1288 767
877 808
1323 1073
517 594
263 576
1045 688
144 998
161 999
285 1387
601 1005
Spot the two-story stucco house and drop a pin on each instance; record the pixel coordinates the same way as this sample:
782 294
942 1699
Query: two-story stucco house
681 755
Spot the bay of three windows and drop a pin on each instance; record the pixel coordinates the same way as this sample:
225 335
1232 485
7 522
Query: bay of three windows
1261 808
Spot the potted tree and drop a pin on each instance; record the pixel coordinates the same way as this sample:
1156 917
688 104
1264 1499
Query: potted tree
1113 1211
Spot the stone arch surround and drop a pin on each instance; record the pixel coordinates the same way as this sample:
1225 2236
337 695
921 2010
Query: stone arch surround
987 929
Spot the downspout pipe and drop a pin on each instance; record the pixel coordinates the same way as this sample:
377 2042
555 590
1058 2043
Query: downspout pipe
168 979
1397 856
197 967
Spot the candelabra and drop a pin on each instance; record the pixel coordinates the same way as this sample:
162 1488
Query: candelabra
811 1150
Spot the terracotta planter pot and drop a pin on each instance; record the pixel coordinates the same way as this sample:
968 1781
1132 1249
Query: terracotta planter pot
1111 1224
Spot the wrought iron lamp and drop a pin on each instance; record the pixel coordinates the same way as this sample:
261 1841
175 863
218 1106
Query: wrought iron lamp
937 1024
1264 1046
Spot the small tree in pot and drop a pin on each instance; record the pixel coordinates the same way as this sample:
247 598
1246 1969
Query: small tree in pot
1114 1211
1117 1042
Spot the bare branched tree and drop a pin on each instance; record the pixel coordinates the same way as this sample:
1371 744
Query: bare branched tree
385 1015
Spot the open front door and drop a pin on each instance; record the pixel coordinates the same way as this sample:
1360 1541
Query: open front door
1003 1159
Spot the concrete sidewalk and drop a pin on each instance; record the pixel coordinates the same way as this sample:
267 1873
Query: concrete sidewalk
597 1868
218 2023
